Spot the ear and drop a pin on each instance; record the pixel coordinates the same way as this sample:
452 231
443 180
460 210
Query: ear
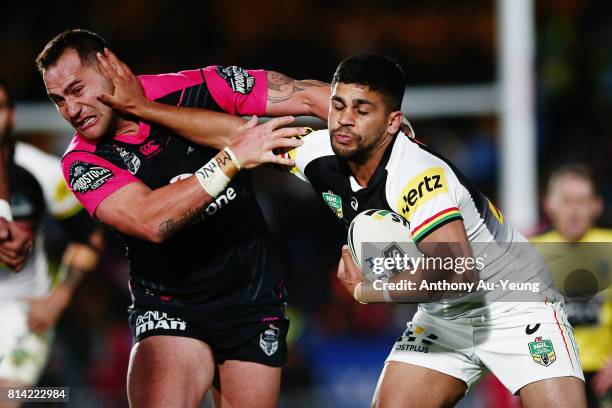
597 208
548 207
394 121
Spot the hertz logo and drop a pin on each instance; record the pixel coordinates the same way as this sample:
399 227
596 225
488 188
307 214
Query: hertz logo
420 189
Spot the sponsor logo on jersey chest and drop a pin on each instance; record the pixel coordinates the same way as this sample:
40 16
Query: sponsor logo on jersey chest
86 177
421 189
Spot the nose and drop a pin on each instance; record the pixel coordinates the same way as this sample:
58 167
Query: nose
345 118
73 109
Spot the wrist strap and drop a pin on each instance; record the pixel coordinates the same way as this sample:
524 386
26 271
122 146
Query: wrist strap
5 210
357 293
211 176
233 157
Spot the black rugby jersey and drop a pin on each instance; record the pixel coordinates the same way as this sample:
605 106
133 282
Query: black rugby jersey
224 257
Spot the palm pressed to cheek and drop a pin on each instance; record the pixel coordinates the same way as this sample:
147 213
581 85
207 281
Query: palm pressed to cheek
74 88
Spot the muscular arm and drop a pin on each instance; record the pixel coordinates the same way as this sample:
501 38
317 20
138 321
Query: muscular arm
202 126
287 96
449 240
209 128
155 215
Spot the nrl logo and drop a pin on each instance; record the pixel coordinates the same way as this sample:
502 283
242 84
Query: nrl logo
132 162
268 340
542 351
334 202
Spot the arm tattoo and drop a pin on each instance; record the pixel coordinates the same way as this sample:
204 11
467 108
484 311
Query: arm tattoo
282 88
170 226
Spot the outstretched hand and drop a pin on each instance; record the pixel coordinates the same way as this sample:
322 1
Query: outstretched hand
128 96
253 144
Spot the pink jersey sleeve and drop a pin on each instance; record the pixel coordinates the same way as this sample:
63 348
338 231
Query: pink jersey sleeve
92 178
238 91
157 86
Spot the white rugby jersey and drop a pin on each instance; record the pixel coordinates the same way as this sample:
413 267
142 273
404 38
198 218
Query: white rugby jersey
37 186
429 192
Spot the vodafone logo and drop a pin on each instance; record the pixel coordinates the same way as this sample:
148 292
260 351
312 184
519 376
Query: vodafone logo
212 208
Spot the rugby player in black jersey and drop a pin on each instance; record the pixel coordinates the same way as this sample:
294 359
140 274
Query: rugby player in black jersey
207 290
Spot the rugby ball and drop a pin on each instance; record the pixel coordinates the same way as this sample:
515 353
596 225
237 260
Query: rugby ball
377 235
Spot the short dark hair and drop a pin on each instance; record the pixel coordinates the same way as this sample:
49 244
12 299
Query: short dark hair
379 73
4 84
579 170
85 43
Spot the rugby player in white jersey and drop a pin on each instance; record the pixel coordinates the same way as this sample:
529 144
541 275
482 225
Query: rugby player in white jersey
29 305
528 345
366 162
15 241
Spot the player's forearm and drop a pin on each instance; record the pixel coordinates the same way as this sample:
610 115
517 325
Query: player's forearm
78 260
315 98
407 286
156 215
287 96
201 126
419 292
424 279
176 211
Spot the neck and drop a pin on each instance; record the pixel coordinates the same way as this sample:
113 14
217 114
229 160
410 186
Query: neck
126 127
363 172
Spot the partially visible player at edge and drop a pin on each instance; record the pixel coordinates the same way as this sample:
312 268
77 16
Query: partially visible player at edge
15 241
366 162
29 304
207 291
573 205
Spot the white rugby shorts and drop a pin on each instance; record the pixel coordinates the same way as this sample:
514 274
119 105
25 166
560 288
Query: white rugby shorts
520 343
23 353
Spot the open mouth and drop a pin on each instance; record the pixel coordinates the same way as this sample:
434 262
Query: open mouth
86 122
